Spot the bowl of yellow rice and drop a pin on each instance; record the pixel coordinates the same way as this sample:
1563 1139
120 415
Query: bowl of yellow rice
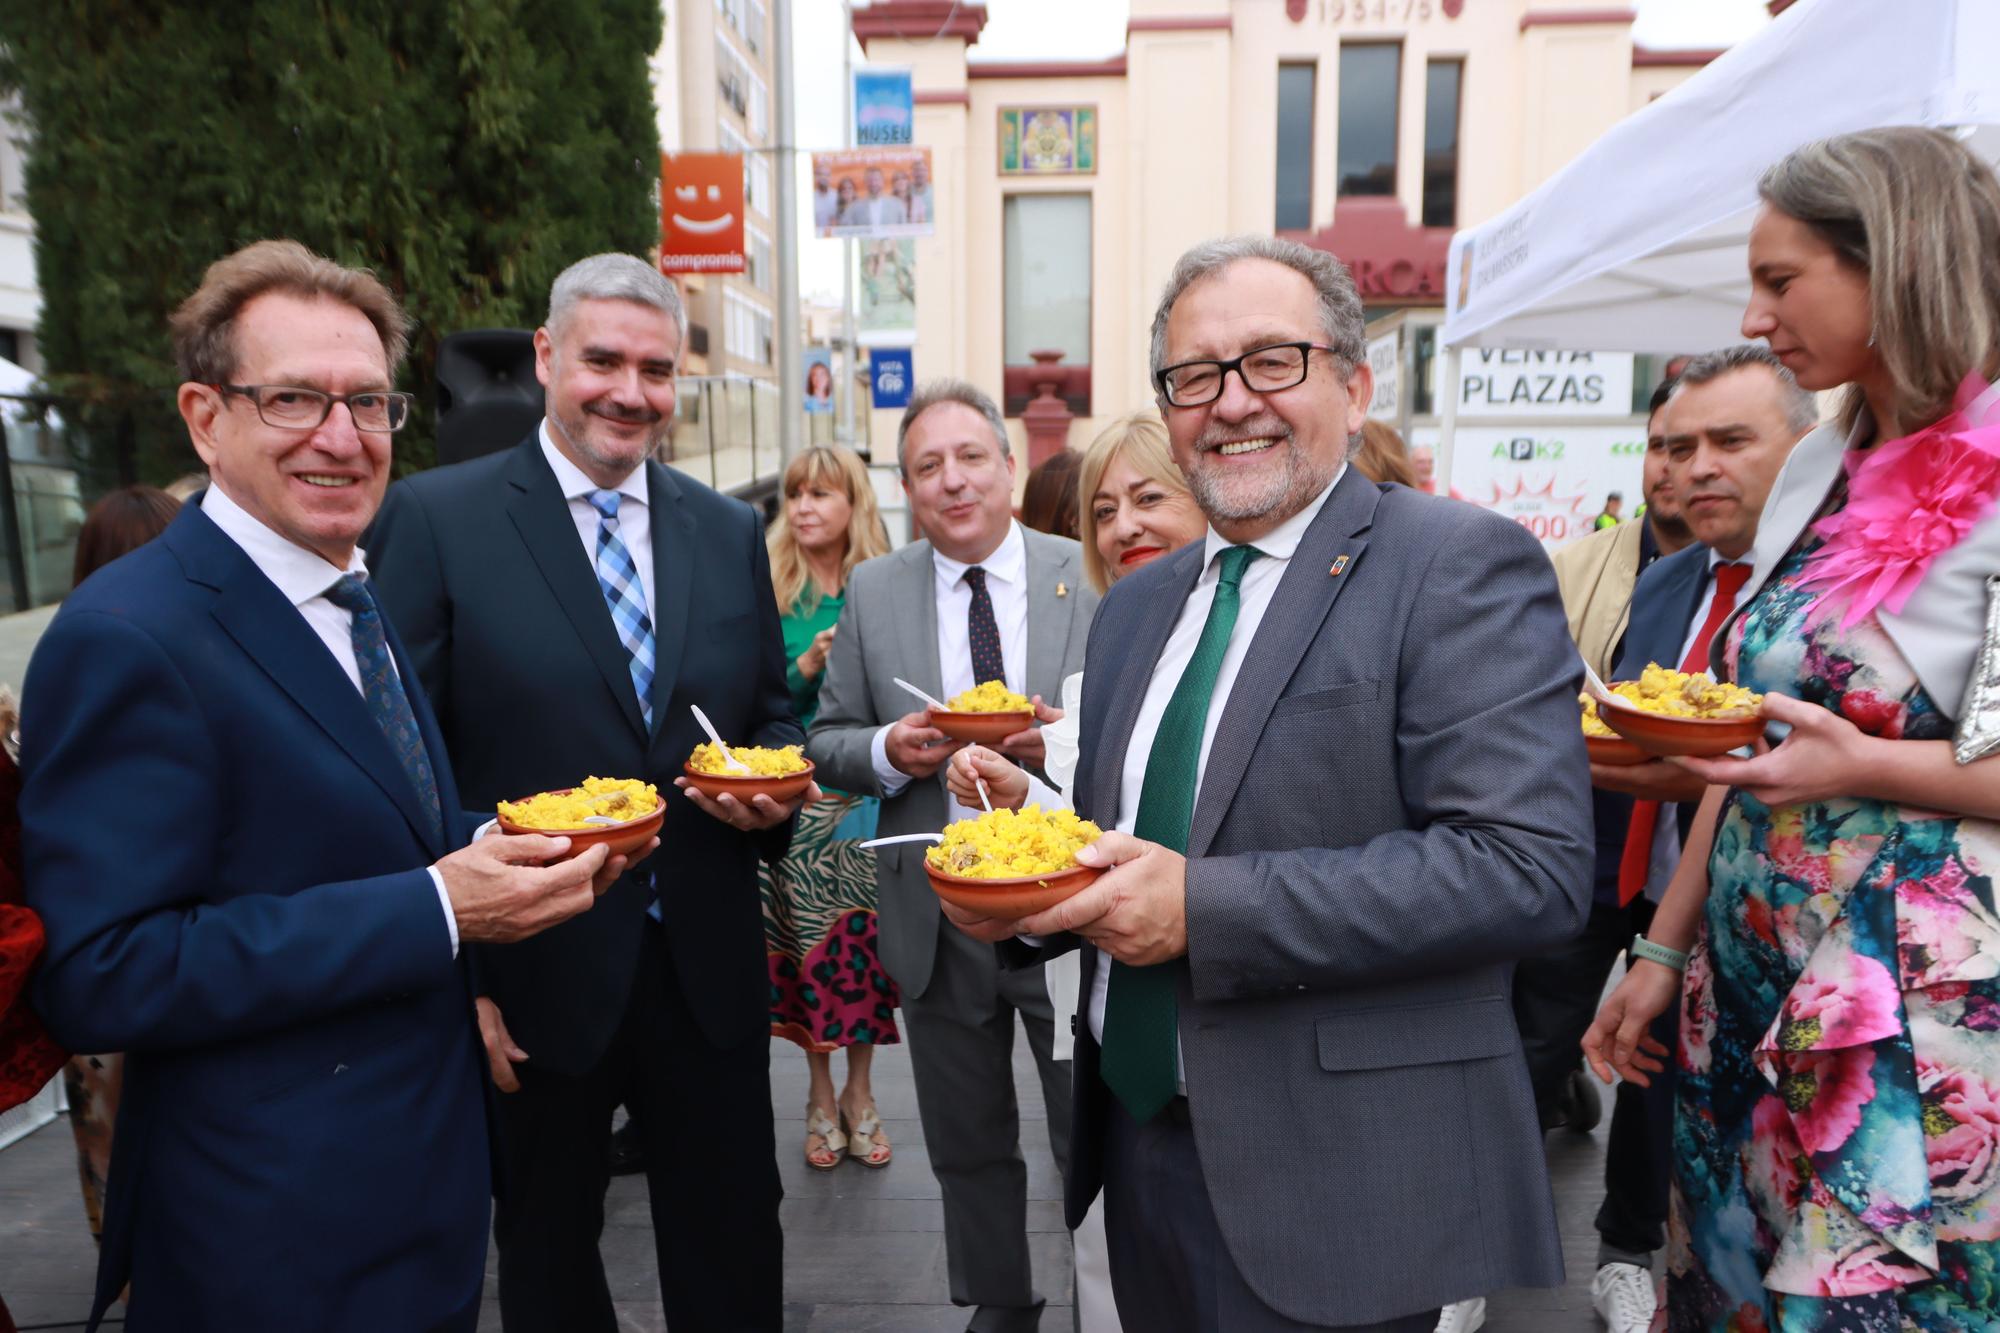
780 773
1684 713
986 714
635 809
1605 745
1012 863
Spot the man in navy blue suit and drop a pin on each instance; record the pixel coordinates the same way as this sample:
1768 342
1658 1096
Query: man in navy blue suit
239 827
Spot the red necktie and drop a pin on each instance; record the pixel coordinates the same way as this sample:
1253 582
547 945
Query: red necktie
1638 856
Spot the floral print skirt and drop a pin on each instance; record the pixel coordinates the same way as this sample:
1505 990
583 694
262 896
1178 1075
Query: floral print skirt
828 989
1837 1142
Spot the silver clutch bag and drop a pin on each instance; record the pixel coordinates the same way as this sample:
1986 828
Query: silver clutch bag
1979 717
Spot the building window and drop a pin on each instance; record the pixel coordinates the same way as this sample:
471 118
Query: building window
1370 80
732 78
1443 80
1295 146
758 186
757 258
760 109
747 18
1047 281
746 332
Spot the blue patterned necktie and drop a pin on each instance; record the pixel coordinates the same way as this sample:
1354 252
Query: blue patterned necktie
982 631
383 692
618 578
1141 1018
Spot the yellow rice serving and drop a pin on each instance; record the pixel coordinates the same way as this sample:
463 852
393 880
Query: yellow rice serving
762 762
1593 725
613 798
1684 694
991 696
1008 844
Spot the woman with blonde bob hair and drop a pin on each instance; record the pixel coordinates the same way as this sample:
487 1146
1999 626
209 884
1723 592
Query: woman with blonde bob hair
1831 933
1133 504
828 989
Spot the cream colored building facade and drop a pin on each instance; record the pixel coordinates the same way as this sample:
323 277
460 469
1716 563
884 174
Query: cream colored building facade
1191 121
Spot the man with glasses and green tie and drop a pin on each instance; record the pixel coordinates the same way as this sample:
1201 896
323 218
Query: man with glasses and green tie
1336 745
241 828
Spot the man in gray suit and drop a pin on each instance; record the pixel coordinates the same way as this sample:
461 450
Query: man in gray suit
981 599
1337 743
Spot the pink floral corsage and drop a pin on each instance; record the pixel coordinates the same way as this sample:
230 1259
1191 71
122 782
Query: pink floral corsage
1909 500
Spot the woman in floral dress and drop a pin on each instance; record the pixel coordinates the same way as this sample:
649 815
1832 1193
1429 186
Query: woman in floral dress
828 989
1837 1144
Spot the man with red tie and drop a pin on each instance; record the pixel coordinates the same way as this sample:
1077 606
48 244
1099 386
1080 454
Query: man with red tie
1727 427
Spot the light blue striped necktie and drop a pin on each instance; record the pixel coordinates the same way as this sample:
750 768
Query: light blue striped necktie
618 579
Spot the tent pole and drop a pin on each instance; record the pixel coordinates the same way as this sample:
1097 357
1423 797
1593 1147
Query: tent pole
1447 418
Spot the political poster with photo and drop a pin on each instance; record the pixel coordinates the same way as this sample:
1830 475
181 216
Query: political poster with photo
819 379
872 193
884 110
887 311
890 375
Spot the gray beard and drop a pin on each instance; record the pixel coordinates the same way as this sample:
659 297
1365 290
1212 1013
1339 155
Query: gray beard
1279 498
576 431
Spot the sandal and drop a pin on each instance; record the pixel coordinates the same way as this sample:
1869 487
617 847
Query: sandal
866 1142
833 1143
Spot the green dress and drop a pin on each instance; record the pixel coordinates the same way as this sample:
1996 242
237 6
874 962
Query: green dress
828 988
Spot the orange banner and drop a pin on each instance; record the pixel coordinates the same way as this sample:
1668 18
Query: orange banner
701 212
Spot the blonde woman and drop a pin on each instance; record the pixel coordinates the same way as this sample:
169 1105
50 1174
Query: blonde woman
828 989
1134 507
1830 933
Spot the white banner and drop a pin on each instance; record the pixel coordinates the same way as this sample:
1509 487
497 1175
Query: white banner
1513 385
1385 362
1549 478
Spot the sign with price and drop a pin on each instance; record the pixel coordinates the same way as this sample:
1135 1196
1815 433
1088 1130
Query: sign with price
1549 478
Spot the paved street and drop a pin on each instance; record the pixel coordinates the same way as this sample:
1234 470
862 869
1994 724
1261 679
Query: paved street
864 1249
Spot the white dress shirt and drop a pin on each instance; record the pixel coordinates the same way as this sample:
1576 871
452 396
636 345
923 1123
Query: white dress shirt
1007 586
305 577
1260 583
635 527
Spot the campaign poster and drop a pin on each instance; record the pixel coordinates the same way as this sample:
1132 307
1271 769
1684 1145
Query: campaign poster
701 213
887 312
890 375
873 193
884 111
819 379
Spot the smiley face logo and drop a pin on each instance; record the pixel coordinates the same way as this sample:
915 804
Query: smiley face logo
689 198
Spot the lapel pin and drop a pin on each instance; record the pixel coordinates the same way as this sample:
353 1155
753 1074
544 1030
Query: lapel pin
1339 565
1062 589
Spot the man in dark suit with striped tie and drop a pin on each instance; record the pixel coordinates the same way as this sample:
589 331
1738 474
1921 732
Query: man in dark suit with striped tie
565 602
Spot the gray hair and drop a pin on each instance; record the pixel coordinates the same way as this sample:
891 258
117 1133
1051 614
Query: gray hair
1339 303
1918 212
615 277
1800 408
931 393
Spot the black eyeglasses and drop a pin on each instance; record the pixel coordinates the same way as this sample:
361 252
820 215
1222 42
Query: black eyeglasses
1262 370
290 407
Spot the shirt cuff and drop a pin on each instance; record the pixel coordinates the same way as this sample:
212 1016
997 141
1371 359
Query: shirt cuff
893 779
1042 794
444 901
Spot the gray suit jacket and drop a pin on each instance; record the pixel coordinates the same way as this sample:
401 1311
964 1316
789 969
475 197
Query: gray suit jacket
1396 805
887 629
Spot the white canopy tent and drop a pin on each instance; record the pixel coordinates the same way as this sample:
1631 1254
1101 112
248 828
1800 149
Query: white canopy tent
1639 244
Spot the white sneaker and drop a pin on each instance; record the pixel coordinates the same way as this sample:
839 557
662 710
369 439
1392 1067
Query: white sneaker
1622 1294
1463 1316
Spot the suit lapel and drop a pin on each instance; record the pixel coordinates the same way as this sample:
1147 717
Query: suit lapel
541 515
673 582
270 630
1136 672
920 631
1050 622
1320 570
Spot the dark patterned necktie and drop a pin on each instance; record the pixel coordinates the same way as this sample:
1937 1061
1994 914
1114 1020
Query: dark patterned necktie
383 692
1140 1012
983 631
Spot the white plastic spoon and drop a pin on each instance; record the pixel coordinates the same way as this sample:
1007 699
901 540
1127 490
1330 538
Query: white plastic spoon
729 760
1600 691
920 694
904 837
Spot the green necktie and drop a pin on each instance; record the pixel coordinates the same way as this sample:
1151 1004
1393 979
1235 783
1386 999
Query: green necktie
1139 1011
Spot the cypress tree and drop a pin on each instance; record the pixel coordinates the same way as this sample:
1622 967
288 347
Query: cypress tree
466 150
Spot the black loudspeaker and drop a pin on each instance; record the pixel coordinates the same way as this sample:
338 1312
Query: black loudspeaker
488 398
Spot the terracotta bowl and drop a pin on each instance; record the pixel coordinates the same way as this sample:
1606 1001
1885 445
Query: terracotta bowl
623 839
981 728
1010 899
1697 737
1614 750
784 787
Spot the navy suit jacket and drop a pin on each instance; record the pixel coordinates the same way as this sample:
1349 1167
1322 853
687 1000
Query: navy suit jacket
480 567
1663 606
230 863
